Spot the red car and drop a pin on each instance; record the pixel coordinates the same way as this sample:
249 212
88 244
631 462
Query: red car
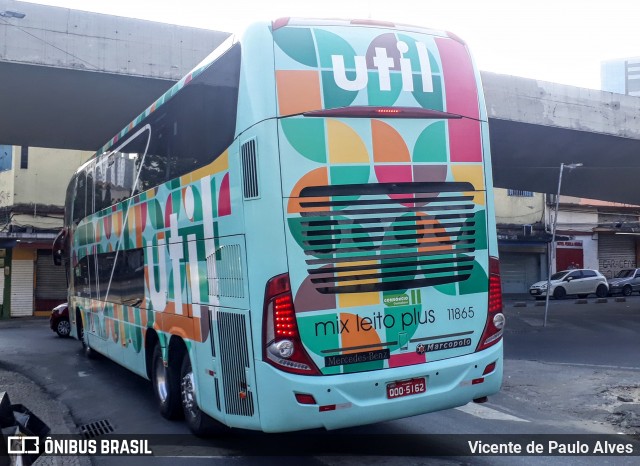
59 320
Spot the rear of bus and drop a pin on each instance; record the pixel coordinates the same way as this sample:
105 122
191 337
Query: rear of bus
391 304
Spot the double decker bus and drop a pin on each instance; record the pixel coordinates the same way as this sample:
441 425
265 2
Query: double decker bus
298 234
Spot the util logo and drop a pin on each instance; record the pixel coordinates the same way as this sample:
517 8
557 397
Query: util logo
384 65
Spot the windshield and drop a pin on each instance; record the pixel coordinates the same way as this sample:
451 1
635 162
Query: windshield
625 273
559 275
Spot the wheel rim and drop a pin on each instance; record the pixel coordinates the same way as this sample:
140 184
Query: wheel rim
189 394
64 328
161 381
626 291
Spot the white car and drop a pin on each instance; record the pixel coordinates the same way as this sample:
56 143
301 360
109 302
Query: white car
581 282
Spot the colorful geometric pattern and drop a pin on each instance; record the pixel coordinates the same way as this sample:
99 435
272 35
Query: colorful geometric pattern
174 223
325 68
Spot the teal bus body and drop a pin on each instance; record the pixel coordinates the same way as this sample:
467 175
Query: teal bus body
298 234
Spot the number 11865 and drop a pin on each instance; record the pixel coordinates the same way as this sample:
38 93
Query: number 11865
458 313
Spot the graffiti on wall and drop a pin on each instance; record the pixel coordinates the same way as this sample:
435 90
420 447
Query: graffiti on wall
610 267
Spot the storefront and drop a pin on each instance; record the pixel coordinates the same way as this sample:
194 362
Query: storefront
22 278
521 264
51 282
616 252
569 255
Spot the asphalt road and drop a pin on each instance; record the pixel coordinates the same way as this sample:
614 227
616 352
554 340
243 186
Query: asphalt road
565 378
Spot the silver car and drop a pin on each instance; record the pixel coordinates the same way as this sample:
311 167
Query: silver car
581 282
626 282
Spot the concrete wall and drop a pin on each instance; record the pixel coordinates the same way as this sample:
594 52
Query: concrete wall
573 217
61 37
551 104
44 181
518 210
36 194
6 176
590 250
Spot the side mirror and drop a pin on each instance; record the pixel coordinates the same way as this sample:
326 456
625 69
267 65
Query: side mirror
59 247
57 257
568 279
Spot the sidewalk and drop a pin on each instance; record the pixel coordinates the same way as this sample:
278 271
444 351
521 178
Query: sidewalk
56 415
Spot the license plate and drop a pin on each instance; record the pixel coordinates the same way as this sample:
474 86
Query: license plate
406 388
535 291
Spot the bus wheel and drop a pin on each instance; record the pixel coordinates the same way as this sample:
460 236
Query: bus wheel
166 387
199 423
86 349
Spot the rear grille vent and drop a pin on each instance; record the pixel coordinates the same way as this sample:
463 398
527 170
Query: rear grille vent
381 237
224 272
249 170
235 362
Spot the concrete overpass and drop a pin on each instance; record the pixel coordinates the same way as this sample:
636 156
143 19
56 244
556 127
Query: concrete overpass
536 125
71 79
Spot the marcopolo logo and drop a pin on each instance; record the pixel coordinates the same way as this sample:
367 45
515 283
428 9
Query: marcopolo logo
384 64
396 300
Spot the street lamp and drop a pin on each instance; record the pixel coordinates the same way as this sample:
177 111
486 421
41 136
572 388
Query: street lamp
552 251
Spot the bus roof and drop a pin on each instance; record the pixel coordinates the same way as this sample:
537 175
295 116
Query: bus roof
291 21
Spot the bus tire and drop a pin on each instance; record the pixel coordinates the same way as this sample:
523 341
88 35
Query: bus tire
166 385
86 349
199 423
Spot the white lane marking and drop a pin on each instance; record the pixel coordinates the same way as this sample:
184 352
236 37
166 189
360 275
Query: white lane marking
488 413
532 321
597 366
83 374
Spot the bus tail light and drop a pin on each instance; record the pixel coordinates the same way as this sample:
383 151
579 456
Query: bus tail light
282 345
495 318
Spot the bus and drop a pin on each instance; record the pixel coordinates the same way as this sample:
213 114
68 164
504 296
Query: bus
298 234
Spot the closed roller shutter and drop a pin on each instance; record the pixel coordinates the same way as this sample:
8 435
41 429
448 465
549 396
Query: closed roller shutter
518 271
616 252
51 282
21 288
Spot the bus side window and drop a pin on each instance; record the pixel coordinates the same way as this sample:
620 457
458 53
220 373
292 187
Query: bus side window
90 193
79 210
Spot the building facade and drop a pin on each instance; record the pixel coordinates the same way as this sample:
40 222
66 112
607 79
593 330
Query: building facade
590 234
33 183
621 76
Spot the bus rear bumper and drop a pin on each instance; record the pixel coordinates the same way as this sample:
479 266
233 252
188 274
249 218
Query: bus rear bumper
348 400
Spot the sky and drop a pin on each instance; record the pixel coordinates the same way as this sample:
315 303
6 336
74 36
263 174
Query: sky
562 41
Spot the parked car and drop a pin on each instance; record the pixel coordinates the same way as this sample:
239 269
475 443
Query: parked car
581 282
59 320
626 282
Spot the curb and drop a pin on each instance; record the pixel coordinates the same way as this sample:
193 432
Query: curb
22 389
618 299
